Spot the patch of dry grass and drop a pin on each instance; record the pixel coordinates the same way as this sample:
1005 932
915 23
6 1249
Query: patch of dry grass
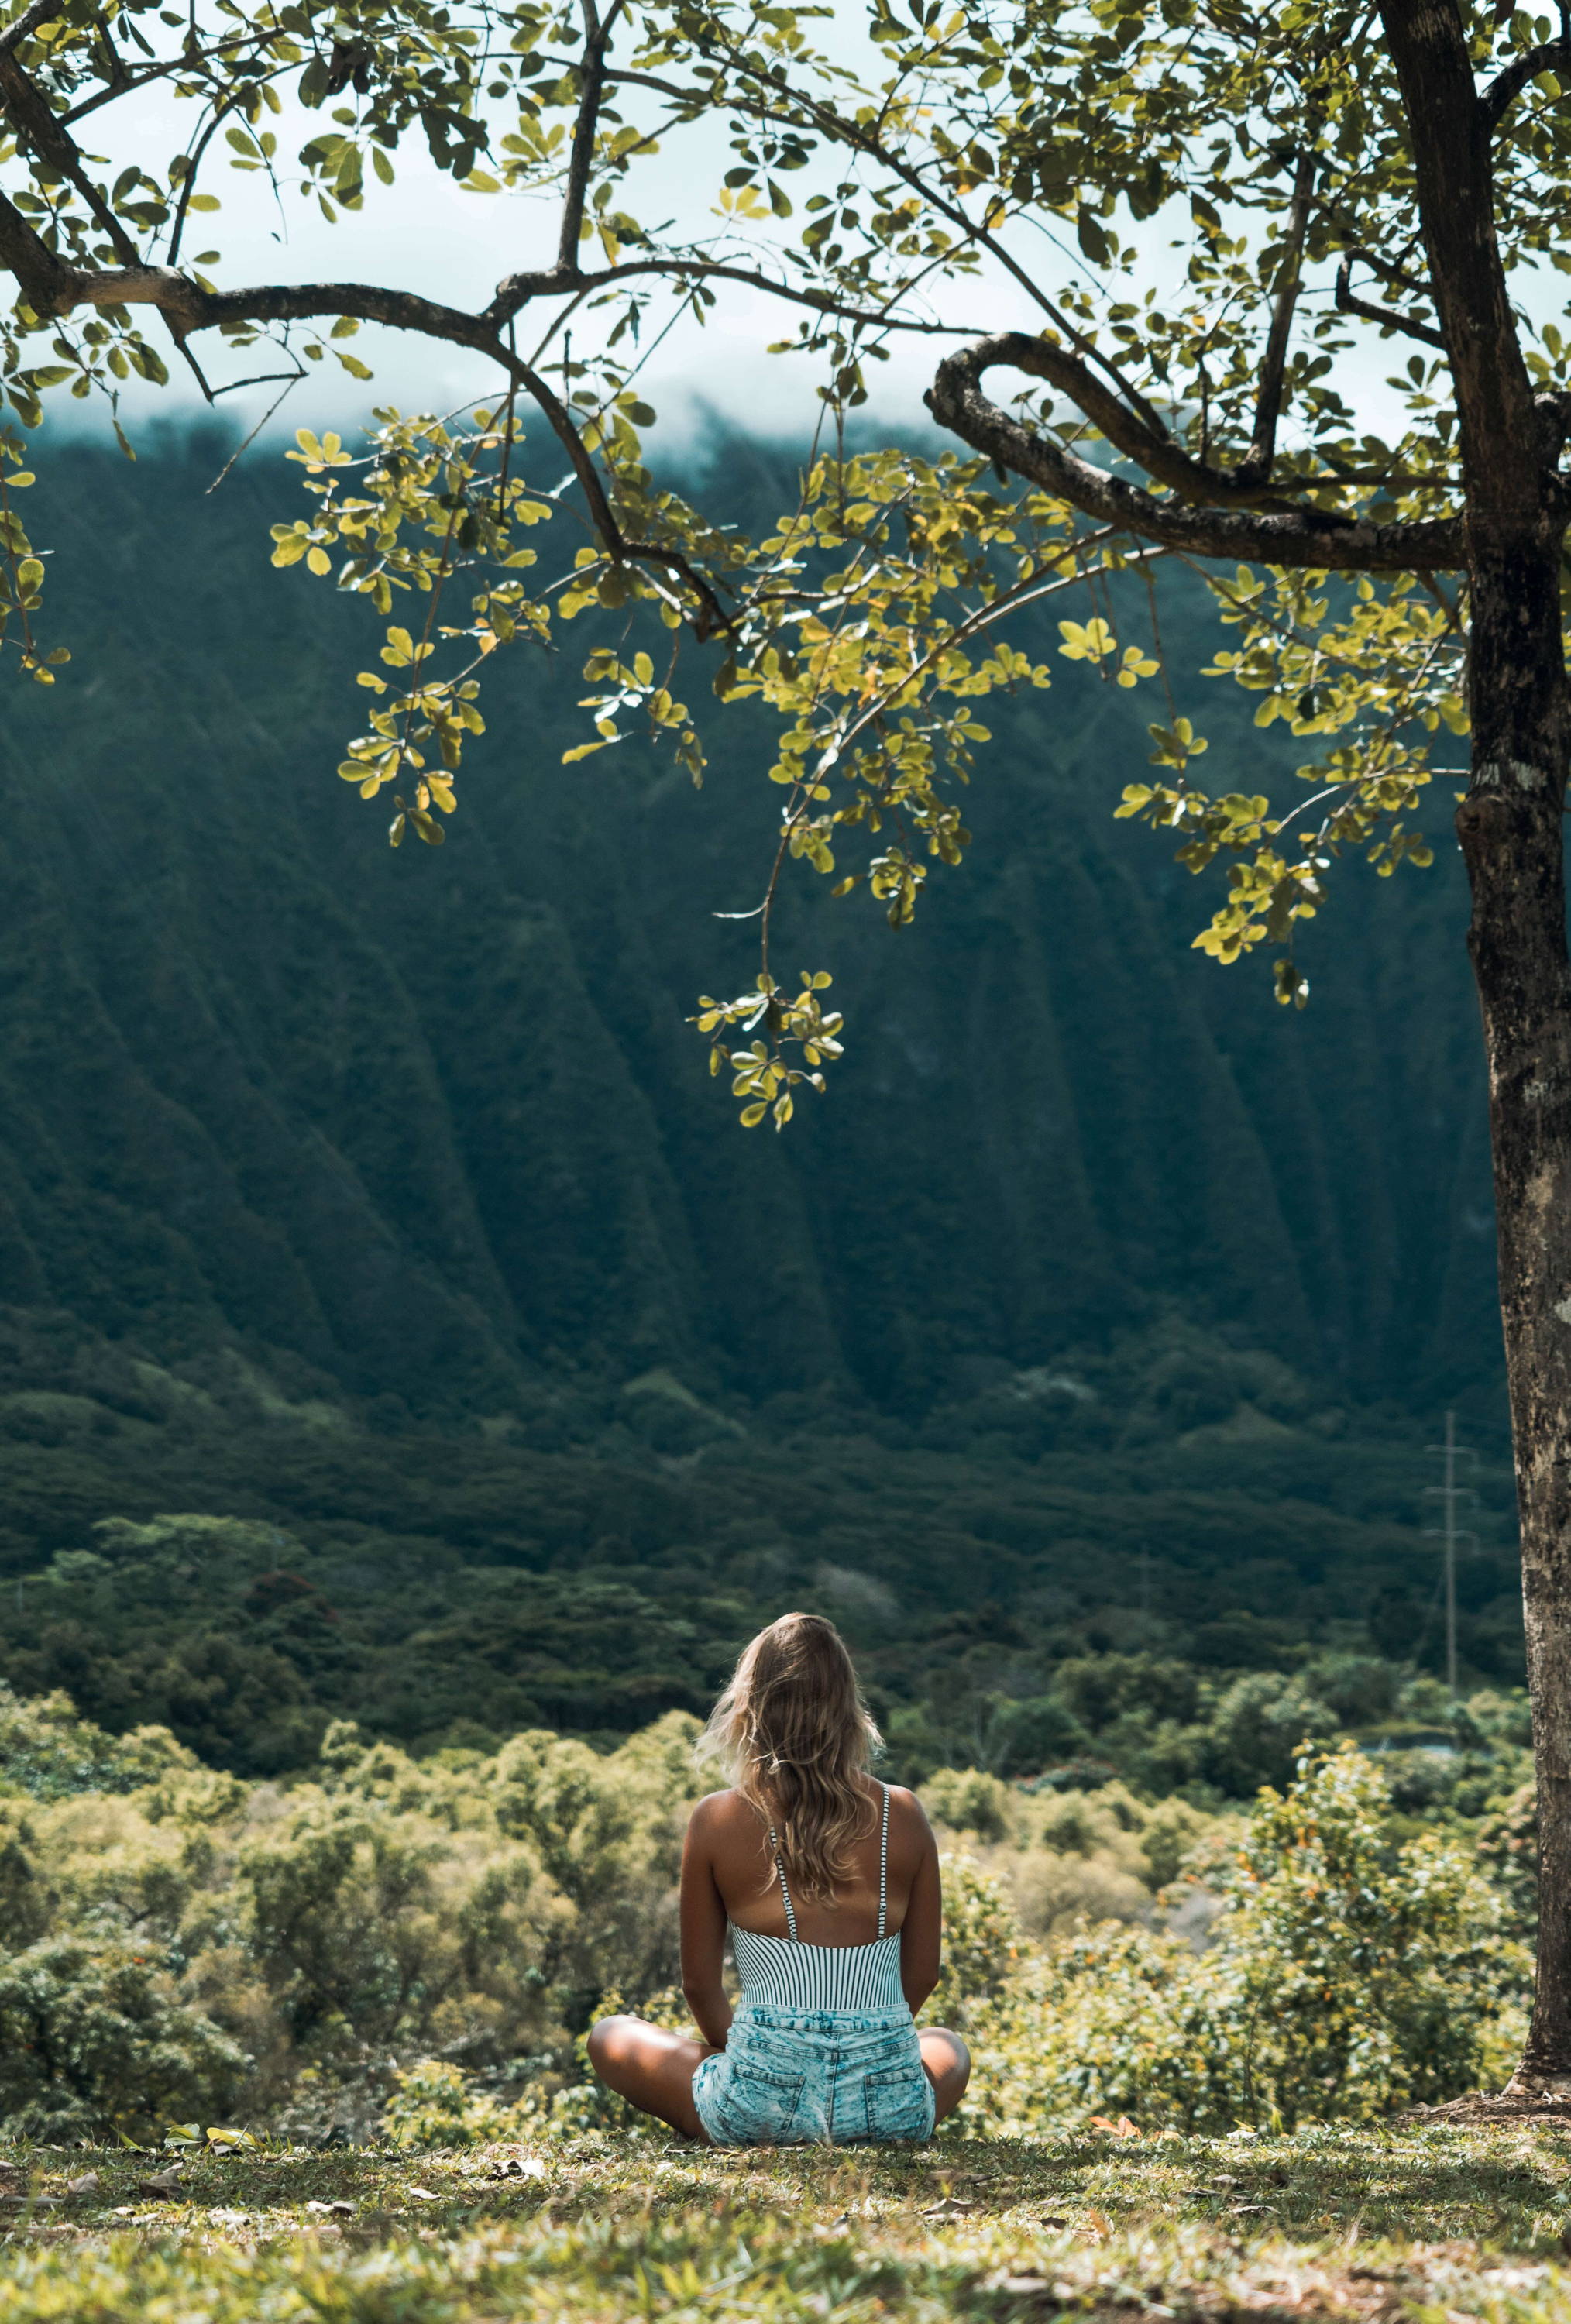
1431 2222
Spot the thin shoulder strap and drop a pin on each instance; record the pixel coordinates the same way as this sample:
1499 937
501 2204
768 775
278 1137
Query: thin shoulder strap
884 1864
785 1893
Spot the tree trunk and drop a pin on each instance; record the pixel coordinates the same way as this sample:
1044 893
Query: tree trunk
1509 827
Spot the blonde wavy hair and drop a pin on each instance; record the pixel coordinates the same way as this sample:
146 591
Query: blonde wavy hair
794 1734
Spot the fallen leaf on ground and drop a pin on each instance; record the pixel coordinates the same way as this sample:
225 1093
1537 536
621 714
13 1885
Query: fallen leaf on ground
87 2184
161 2182
423 2194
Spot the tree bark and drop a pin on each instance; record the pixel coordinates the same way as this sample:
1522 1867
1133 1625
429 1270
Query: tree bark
1509 827
1511 830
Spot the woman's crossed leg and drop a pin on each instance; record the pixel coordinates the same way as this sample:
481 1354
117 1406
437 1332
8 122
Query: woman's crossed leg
654 2069
651 2068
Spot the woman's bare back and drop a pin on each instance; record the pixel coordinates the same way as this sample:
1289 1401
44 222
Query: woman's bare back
728 1829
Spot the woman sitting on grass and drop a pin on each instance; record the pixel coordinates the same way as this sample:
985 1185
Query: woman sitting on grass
828 1882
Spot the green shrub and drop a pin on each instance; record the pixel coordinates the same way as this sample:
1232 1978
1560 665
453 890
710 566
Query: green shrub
179 1942
434 2103
92 2032
983 1945
1025 1737
186 1940
47 1751
1352 1972
1255 1732
966 1799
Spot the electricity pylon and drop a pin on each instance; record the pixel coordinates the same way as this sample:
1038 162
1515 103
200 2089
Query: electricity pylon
1450 1495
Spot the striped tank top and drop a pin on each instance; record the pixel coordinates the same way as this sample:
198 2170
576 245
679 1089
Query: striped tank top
844 1981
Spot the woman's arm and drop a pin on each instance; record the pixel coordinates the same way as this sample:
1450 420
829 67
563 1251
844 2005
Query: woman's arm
921 1932
703 1931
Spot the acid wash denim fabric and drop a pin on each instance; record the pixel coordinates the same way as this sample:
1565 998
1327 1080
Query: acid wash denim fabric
796 2076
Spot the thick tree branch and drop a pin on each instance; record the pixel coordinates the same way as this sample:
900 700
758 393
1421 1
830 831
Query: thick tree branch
190 309
195 309
1410 327
1314 537
39 131
1162 459
1448 136
23 28
1516 500
1256 464
43 277
1554 56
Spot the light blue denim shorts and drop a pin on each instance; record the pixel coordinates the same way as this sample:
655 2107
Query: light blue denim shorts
799 2077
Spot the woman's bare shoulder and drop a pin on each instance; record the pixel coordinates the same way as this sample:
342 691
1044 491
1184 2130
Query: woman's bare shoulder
720 1813
907 1814
904 1802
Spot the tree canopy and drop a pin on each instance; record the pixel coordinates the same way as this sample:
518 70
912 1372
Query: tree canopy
1209 214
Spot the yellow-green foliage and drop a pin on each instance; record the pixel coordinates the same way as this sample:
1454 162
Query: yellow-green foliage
434 2103
425 1941
1351 1972
1070 1855
189 1943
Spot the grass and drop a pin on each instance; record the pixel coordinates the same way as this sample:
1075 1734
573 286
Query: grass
1437 2224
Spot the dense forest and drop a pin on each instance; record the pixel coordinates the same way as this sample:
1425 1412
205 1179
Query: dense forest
376 1214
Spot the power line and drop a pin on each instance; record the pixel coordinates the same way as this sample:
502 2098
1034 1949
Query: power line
1449 1494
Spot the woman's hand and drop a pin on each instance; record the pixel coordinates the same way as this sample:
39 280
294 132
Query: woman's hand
703 1922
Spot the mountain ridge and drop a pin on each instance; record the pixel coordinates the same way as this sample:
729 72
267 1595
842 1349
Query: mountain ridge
431 1125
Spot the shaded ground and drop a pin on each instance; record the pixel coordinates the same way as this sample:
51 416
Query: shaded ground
1435 2224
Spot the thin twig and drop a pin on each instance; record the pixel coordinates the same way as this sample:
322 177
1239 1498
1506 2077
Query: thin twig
1256 464
1388 317
294 379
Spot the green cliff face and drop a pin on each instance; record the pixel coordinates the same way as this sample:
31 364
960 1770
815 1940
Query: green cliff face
431 1124
379 1210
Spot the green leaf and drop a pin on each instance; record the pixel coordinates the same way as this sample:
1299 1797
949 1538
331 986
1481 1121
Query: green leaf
1092 239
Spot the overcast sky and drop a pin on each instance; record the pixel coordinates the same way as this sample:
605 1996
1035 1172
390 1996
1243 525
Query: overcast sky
424 234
